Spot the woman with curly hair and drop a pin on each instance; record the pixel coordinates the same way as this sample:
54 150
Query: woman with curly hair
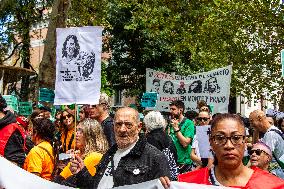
91 144
42 157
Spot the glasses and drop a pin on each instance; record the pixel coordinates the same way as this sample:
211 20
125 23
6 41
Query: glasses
128 125
222 140
257 152
67 116
202 118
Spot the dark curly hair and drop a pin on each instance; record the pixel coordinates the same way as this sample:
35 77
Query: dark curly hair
77 46
44 128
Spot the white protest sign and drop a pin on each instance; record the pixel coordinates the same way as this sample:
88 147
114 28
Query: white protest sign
9 172
202 136
156 184
184 185
213 87
78 65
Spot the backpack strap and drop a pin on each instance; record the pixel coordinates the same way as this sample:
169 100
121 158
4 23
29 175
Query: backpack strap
52 159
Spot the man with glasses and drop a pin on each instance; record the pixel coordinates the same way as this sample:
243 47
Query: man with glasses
182 132
260 156
272 137
130 161
100 112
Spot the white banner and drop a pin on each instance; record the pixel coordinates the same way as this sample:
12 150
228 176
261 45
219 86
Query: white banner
156 184
78 65
213 87
202 136
12 177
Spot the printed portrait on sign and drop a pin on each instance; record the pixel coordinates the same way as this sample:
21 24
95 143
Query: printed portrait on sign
181 89
155 86
211 86
76 65
168 87
195 87
71 49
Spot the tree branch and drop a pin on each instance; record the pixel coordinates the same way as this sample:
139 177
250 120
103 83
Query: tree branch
15 48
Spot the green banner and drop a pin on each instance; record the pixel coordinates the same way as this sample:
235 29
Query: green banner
25 108
46 95
12 102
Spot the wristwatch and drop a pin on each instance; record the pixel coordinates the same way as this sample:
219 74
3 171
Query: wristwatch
177 131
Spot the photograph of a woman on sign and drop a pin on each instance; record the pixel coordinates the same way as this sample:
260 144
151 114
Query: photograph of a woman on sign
195 87
168 87
71 49
155 86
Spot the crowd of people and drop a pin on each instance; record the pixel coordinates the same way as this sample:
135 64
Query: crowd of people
97 150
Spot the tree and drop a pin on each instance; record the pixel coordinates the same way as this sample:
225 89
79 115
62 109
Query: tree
58 19
17 18
194 36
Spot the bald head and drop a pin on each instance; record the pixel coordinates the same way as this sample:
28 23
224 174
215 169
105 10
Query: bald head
259 121
134 113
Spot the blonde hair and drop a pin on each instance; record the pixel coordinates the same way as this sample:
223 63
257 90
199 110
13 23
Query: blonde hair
95 139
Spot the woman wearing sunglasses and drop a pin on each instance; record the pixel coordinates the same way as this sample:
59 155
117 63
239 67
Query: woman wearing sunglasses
202 119
67 134
227 140
260 156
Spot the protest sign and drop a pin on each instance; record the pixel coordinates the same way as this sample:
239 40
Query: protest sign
78 65
10 171
149 99
213 87
46 95
12 102
202 136
25 108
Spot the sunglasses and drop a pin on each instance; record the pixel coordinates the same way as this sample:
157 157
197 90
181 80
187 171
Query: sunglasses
67 116
257 152
202 118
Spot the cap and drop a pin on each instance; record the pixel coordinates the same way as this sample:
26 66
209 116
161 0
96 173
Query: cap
23 121
262 146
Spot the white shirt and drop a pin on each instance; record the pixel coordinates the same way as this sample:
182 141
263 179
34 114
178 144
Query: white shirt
107 179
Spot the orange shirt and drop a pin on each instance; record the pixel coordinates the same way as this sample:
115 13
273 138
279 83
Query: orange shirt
90 162
39 161
65 145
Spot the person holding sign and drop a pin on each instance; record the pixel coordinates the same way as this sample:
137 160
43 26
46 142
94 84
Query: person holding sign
182 132
228 142
91 144
202 119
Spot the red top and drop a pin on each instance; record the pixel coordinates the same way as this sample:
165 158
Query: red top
259 180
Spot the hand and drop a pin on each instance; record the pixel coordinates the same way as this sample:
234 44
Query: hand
76 164
174 123
165 182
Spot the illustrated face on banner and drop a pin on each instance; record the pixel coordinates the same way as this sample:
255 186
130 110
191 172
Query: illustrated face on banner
70 48
156 86
195 87
212 86
168 87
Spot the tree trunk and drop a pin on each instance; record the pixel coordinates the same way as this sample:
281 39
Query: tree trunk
47 66
281 102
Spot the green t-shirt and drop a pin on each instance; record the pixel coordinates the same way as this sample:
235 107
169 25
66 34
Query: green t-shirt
187 129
